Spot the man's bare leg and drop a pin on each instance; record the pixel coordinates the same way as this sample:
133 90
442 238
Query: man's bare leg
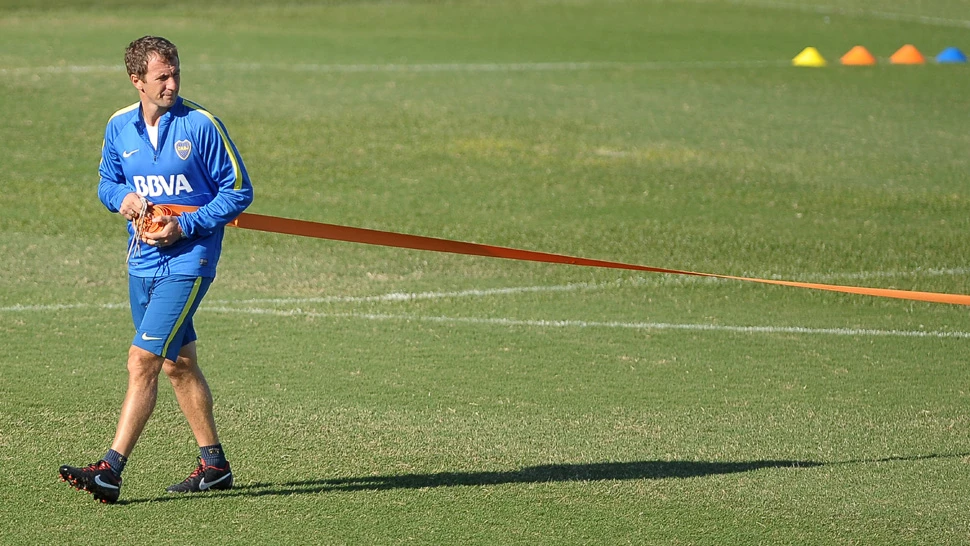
140 398
195 399
103 479
193 394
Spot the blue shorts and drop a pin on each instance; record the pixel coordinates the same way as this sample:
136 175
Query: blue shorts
162 310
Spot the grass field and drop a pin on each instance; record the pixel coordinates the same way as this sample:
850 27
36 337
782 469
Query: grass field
371 395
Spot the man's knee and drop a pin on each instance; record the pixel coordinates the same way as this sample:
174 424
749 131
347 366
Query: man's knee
142 363
185 363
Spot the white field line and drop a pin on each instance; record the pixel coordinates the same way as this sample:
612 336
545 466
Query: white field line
823 9
380 298
417 296
509 322
856 332
395 297
862 275
429 67
660 279
231 306
508 67
19 308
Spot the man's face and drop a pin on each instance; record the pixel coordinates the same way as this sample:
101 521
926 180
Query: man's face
160 84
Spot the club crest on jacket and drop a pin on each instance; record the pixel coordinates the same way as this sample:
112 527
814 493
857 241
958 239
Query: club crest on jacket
183 148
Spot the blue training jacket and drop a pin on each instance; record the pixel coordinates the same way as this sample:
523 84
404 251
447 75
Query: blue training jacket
196 163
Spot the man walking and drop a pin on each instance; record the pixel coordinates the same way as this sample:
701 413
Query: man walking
166 150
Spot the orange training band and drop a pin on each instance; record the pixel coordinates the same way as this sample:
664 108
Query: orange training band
334 232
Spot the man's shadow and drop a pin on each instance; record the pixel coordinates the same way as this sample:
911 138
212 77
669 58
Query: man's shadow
637 470
553 473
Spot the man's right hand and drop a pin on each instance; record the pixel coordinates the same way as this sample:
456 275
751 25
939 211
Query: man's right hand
131 206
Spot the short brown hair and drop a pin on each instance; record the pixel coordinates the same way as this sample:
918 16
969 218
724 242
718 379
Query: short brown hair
143 49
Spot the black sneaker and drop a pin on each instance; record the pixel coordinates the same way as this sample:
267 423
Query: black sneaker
97 479
204 478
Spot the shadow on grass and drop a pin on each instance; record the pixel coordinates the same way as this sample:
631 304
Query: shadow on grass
638 470
555 473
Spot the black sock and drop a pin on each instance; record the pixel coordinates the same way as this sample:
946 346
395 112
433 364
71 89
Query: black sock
213 455
116 460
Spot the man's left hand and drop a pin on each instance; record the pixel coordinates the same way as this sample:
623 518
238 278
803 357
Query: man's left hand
170 233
